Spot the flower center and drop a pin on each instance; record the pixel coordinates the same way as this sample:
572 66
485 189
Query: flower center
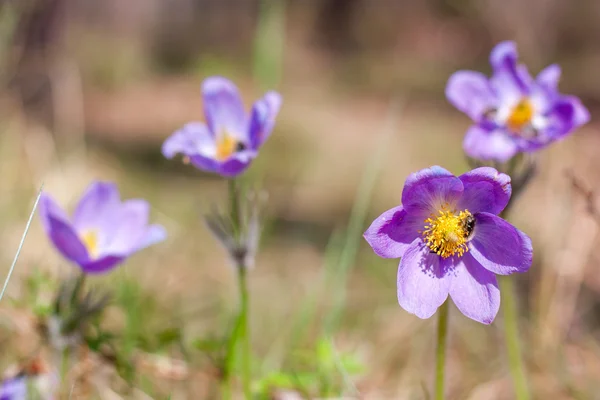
520 115
447 233
90 241
227 145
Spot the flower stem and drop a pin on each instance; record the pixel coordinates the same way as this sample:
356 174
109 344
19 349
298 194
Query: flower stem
240 334
511 332
234 207
442 332
64 365
244 332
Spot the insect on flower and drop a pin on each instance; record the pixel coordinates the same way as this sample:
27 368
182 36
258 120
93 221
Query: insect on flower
451 241
230 139
103 231
512 111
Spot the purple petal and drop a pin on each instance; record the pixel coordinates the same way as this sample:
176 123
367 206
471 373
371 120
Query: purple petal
236 164
426 191
14 389
102 264
60 231
128 229
393 232
566 115
548 78
509 81
572 112
204 163
489 144
154 234
100 200
223 107
475 291
189 140
504 55
262 119
423 285
485 190
500 247
581 115
471 93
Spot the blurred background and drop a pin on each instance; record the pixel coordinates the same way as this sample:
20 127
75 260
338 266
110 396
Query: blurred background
90 90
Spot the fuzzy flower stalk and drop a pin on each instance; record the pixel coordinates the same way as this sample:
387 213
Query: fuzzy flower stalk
100 235
451 243
238 230
226 144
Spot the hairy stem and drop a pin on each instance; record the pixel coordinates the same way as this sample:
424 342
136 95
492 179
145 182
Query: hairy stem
440 358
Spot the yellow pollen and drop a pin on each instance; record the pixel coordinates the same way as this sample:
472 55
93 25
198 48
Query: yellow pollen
90 240
447 234
226 146
520 116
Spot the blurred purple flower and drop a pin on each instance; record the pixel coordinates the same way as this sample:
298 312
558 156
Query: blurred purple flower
230 139
24 386
103 231
512 111
14 389
451 241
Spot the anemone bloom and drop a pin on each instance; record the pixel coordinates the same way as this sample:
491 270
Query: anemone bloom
23 387
512 111
230 139
451 241
14 389
103 231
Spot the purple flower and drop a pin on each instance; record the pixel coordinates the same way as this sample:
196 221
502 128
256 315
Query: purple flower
512 111
14 389
25 386
230 139
451 241
103 231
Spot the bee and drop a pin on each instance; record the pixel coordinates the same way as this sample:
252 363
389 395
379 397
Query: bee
468 224
240 146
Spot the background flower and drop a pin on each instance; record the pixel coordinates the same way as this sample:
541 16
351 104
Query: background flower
230 139
451 241
103 230
512 111
14 389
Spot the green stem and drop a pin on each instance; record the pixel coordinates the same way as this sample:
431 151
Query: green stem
234 206
64 365
240 334
245 332
440 358
511 332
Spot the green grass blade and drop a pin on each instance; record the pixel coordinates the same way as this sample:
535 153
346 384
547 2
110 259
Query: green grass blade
12 267
268 43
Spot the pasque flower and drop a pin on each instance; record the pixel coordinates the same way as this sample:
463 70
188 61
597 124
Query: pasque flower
14 389
25 386
103 231
451 241
512 111
230 139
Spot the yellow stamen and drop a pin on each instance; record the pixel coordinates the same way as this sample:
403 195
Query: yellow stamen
90 241
520 116
226 146
447 234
